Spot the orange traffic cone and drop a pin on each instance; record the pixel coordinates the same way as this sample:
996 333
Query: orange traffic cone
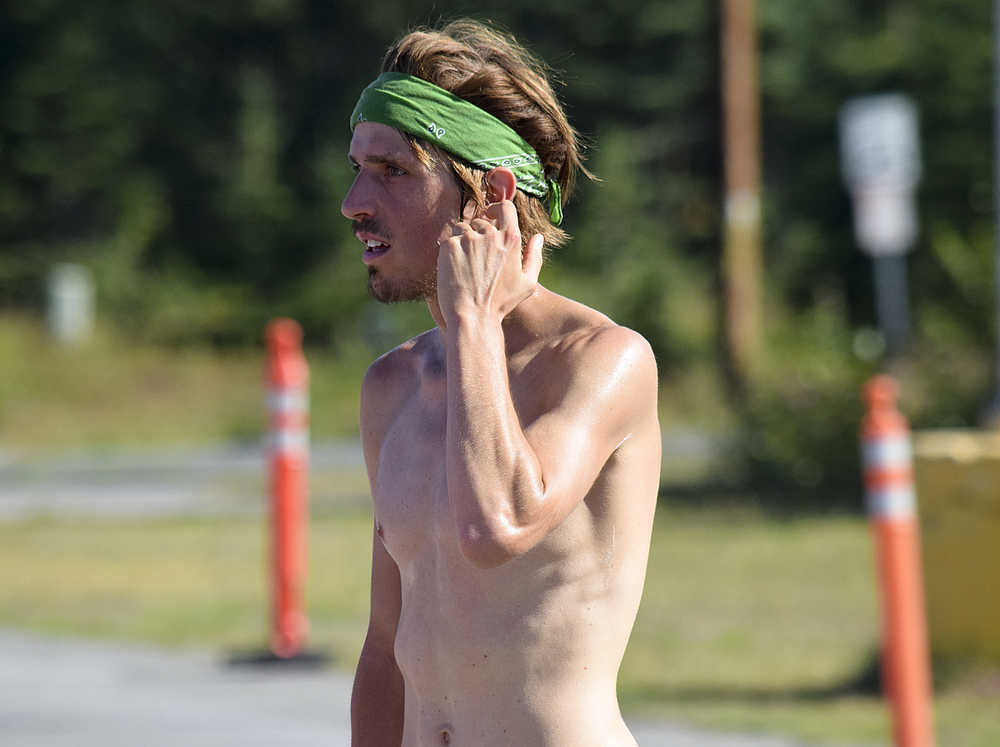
288 382
885 444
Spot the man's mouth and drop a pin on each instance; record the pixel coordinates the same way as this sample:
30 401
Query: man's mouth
374 249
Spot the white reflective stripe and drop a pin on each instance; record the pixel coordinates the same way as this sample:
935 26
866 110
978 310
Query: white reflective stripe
288 400
897 501
892 452
287 440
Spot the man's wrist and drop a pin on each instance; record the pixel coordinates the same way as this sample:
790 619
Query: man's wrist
474 318
475 328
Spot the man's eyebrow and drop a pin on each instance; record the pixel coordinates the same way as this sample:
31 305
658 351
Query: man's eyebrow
379 158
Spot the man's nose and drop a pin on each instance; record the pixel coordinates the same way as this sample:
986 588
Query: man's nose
357 203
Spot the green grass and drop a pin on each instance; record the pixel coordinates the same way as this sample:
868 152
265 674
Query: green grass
755 622
181 582
113 393
748 621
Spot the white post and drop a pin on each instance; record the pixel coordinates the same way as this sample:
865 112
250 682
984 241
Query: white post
70 304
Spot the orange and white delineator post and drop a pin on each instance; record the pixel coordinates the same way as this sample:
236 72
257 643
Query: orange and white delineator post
891 501
288 403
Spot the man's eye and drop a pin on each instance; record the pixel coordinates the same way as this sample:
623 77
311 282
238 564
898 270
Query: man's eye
395 171
355 167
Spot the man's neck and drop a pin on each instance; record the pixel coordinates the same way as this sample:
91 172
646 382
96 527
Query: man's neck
517 326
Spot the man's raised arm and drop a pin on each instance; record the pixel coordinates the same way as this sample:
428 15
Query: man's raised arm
510 482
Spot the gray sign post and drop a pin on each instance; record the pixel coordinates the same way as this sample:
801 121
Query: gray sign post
880 158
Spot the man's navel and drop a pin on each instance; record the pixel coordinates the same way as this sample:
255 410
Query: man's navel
444 732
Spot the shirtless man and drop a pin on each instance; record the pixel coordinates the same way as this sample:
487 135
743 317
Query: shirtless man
513 450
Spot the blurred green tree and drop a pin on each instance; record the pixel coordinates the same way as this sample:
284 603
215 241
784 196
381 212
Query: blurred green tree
194 155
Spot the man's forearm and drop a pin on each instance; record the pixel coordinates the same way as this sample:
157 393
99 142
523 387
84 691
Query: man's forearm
376 703
494 479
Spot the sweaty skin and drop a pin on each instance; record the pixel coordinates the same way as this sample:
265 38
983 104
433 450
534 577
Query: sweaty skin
513 453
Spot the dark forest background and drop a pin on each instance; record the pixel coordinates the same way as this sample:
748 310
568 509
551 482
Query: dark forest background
193 156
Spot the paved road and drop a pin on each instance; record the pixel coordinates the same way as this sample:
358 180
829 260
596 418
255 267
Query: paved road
215 479
223 478
57 692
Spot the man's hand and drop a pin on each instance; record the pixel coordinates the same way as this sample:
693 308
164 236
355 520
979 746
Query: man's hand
481 268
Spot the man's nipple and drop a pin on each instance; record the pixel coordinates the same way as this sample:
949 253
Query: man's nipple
378 530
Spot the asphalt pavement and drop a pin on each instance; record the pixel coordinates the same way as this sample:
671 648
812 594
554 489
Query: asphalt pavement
59 692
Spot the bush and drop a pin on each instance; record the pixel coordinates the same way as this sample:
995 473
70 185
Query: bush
803 414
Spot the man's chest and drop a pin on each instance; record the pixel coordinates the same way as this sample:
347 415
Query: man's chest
411 487
412 508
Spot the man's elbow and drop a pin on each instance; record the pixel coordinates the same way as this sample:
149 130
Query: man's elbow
489 547
489 538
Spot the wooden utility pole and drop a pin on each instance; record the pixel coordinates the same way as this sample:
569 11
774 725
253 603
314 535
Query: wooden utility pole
992 416
741 261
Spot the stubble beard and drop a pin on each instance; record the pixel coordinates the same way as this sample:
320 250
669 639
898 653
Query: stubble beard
387 291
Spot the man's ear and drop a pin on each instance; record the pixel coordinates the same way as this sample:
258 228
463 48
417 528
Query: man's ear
501 184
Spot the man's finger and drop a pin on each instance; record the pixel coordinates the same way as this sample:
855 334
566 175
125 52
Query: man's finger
504 214
481 225
531 261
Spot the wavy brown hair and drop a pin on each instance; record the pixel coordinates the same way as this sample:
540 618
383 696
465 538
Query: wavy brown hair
493 71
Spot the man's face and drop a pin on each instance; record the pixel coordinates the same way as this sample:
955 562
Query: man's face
401 211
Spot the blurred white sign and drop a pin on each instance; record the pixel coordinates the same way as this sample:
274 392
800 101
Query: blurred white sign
880 159
70 303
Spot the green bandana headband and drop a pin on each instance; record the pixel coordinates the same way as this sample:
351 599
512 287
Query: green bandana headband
423 110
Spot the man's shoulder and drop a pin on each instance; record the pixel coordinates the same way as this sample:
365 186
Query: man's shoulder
585 332
394 377
611 367
390 380
401 363
610 351
588 351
